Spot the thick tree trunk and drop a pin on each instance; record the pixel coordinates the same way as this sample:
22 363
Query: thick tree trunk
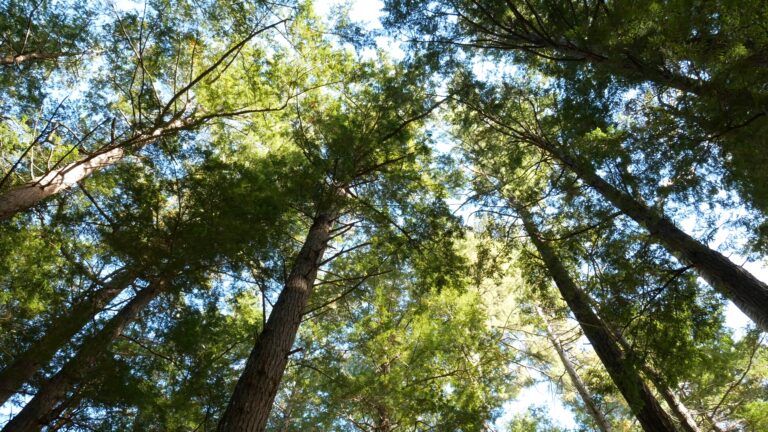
383 422
256 389
639 397
54 391
39 354
738 285
581 387
29 194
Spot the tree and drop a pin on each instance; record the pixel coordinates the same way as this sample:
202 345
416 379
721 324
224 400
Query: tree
397 352
641 400
702 61
578 383
733 281
27 363
163 227
146 117
350 145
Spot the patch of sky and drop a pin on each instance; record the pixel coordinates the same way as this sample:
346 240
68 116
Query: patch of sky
541 394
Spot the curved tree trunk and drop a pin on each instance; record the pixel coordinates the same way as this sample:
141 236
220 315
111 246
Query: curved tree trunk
639 397
39 354
255 392
37 411
581 387
738 285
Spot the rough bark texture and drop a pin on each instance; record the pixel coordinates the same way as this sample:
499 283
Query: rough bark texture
256 389
581 387
40 353
639 397
37 411
738 285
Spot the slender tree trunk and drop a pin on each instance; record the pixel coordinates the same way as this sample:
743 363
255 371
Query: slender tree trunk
57 180
713 423
35 56
581 387
680 411
684 417
34 414
639 397
255 392
738 285
39 354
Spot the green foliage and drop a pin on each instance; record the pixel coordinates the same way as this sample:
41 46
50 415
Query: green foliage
241 120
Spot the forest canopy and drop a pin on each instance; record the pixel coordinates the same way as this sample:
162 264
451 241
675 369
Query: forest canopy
241 215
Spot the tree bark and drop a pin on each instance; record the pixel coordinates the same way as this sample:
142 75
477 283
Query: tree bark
679 410
255 392
34 414
39 354
581 387
747 292
27 195
639 397
35 56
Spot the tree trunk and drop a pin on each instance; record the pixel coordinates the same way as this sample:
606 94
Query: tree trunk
35 56
255 392
39 354
738 285
687 423
55 390
713 423
383 422
581 387
29 194
639 397
680 411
